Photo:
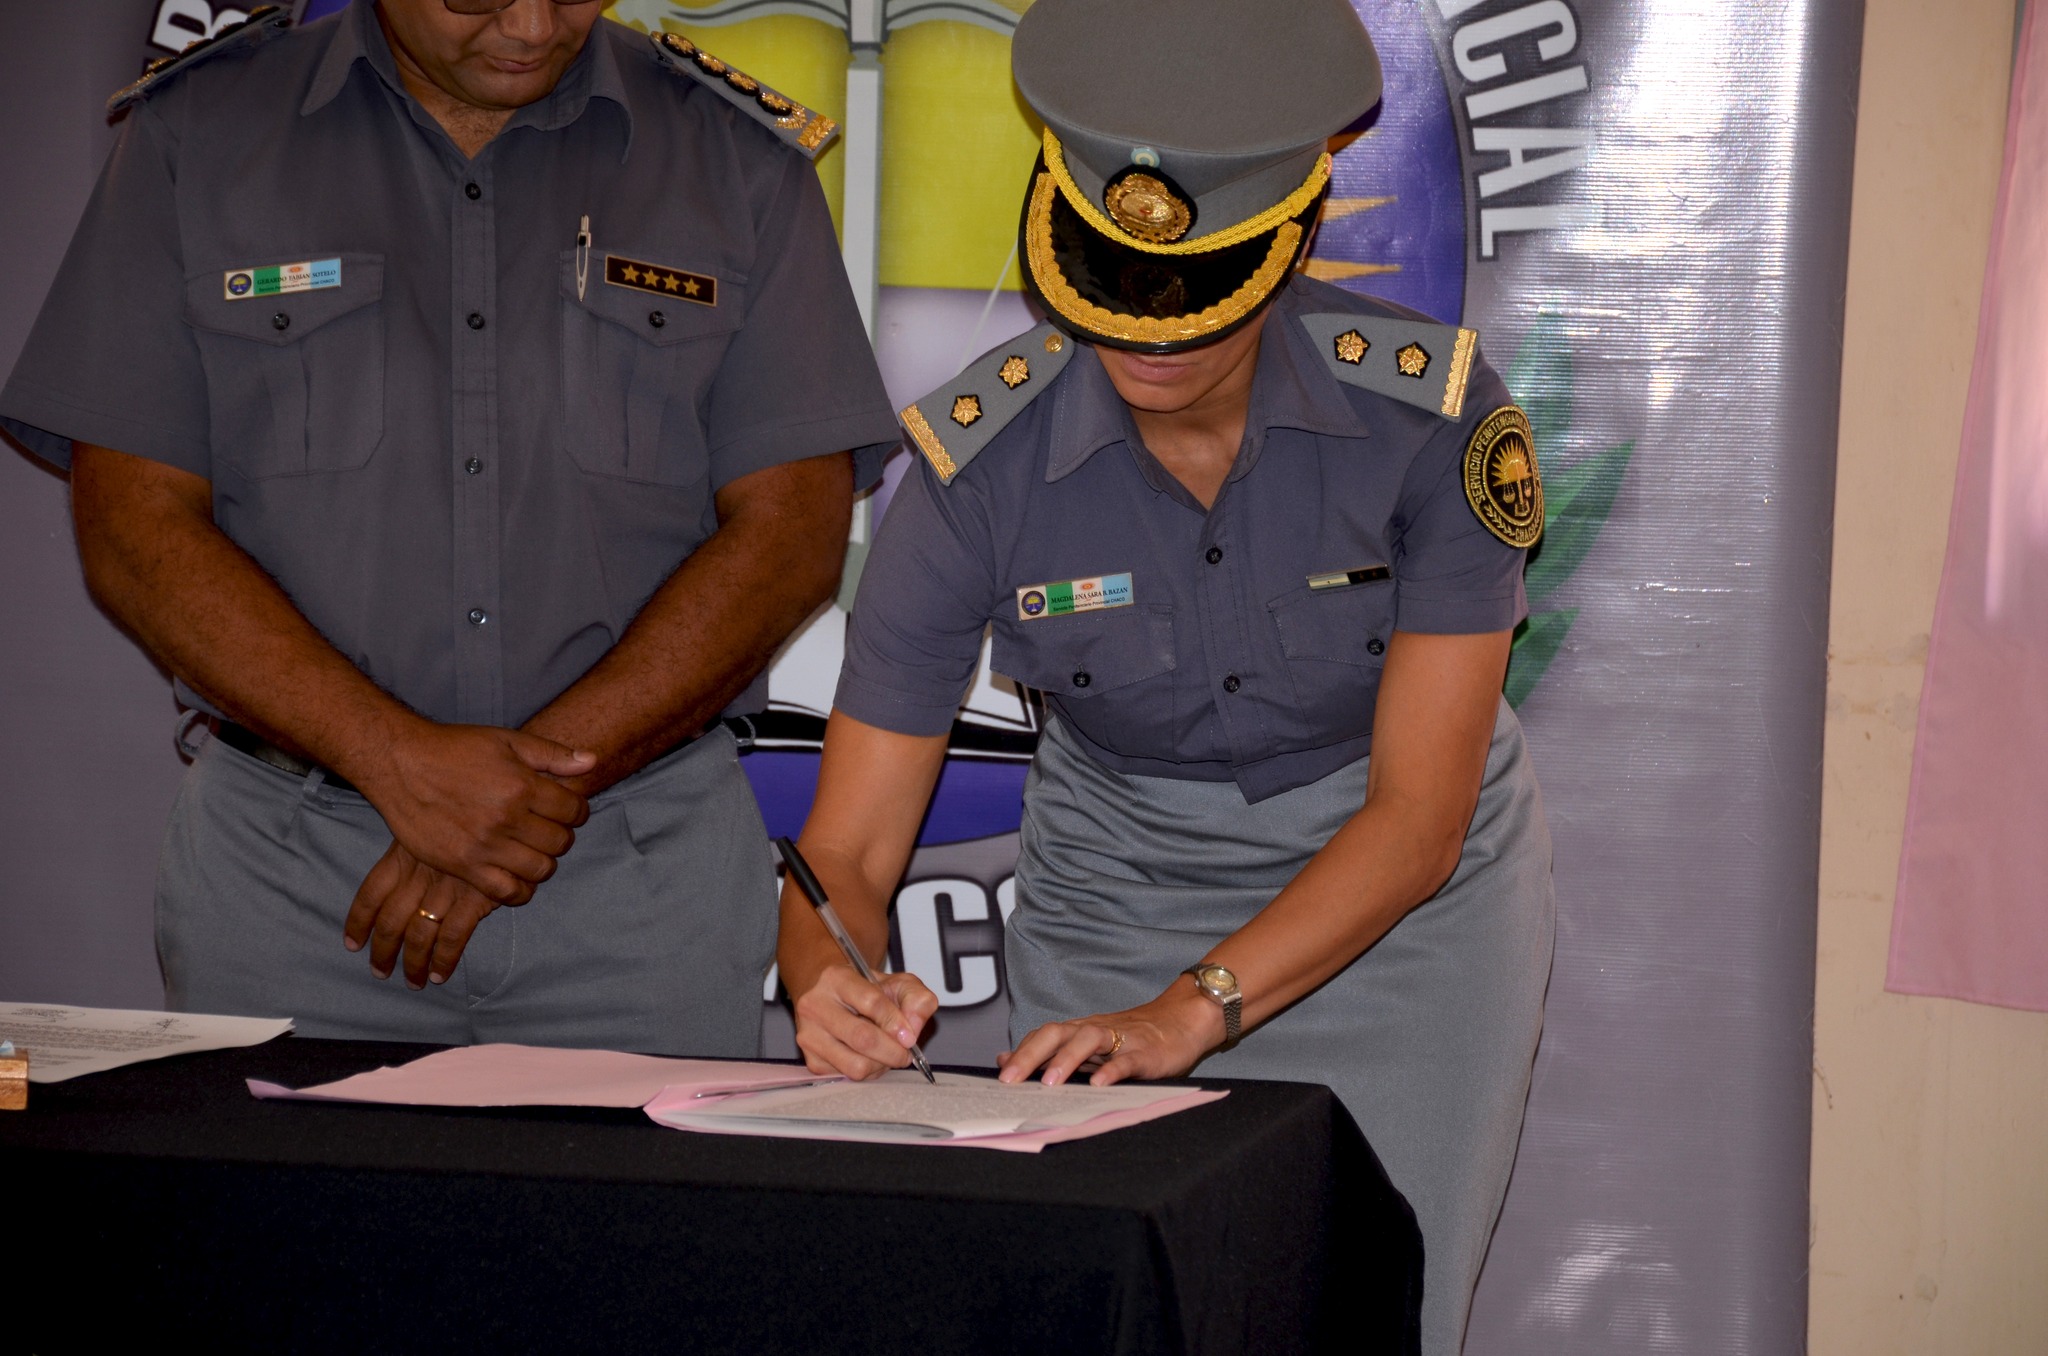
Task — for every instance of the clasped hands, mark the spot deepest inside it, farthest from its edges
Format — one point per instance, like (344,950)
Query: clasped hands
(479,816)
(846,1025)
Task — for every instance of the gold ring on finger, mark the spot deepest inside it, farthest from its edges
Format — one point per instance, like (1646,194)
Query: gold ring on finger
(430,917)
(1116,1043)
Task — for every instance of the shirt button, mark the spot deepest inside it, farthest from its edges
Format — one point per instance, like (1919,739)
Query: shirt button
(1230,683)
(1081,678)
(473,465)
(472,192)
(477,616)
(476,320)
(1215,554)
(656,319)
(1375,646)
(280,321)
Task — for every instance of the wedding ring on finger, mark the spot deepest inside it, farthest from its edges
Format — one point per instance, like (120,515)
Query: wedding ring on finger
(1116,1043)
(430,917)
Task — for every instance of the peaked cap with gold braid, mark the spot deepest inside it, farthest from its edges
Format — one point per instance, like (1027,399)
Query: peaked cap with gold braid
(1185,156)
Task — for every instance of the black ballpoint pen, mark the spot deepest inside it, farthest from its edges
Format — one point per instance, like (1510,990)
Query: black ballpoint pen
(815,892)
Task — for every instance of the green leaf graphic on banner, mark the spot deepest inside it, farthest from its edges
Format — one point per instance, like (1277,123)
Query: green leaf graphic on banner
(1536,642)
(1541,379)
(1577,500)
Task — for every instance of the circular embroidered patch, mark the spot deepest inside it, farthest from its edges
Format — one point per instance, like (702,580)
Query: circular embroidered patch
(1501,479)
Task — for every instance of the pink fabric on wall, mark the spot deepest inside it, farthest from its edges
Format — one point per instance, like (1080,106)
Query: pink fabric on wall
(1971,920)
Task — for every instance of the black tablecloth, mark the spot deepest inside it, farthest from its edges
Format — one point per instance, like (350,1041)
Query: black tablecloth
(169,1202)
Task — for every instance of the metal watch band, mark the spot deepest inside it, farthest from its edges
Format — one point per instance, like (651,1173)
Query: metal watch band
(1232,1003)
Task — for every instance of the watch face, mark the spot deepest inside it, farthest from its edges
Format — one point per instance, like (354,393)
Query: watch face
(1218,980)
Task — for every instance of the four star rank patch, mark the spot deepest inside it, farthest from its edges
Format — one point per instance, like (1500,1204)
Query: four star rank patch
(661,280)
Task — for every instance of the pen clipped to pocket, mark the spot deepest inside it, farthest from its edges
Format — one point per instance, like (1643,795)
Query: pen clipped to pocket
(1344,579)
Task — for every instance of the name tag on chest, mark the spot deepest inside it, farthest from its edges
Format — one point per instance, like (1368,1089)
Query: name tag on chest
(275,280)
(1073,595)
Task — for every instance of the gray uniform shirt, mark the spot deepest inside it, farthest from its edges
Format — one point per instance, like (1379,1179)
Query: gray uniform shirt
(1225,664)
(467,474)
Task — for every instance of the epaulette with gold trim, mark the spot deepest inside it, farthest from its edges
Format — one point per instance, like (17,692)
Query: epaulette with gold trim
(265,21)
(802,128)
(952,424)
(1418,362)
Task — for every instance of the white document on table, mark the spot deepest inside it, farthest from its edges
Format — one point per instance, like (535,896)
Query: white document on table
(901,1108)
(64,1042)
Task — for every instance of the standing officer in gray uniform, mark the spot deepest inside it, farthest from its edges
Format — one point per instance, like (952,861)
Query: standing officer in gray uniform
(458,397)
(1243,529)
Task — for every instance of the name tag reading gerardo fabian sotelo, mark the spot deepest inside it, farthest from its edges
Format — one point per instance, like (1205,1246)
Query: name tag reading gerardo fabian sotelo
(275,280)
(1074,595)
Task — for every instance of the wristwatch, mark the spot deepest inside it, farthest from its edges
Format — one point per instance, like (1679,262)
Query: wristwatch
(1218,983)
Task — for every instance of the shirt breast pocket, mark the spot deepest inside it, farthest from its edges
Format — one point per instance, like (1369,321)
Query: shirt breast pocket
(637,369)
(1109,670)
(1335,642)
(294,380)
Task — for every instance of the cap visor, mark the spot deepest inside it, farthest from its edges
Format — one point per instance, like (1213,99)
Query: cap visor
(1104,291)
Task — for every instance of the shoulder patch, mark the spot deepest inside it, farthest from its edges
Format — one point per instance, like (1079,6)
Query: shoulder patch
(952,424)
(1501,480)
(1418,362)
(264,22)
(809,132)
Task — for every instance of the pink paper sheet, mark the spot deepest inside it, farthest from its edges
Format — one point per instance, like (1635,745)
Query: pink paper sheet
(1021,1142)
(531,1075)
(1971,917)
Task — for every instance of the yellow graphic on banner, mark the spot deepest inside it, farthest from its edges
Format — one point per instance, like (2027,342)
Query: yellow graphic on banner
(957,151)
(957,143)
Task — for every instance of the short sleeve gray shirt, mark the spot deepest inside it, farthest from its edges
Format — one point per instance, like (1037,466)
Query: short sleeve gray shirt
(472,455)
(1227,663)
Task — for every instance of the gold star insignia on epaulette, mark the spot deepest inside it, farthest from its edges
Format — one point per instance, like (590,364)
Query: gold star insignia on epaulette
(709,64)
(1412,361)
(744,83)
(632,274)
(966,410)
(1015,372)
(1351,347)
(775,103)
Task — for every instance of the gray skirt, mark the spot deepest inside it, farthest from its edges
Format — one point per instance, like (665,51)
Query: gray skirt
(1428,1038)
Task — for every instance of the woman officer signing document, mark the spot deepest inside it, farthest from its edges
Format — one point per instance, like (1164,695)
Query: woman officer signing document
(1242,529)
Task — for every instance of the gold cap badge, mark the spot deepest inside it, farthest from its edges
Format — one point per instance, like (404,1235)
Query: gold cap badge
(1148,207)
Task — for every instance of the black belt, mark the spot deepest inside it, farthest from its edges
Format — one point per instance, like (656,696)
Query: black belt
(242,739)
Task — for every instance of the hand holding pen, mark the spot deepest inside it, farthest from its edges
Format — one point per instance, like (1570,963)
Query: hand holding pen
(800,872)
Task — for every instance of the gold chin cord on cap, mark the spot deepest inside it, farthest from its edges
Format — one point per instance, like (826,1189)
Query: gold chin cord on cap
(1286,209)
(1061,296)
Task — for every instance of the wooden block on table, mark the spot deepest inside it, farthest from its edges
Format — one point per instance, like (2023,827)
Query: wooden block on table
(14,1082)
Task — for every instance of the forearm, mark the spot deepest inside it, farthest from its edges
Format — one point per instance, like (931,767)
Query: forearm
(873,786)
(1438,699)
(712,626)
(1387,860)
(208,612)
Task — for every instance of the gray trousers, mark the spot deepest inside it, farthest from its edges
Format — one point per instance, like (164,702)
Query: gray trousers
(655,934)
(1428,1038)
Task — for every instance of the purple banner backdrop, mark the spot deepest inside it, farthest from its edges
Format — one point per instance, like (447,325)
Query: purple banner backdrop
(1643,209)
